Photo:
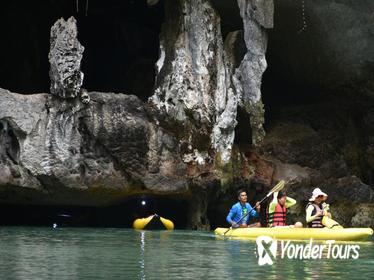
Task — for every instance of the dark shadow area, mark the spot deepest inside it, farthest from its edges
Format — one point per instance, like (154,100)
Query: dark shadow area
(291,75)
(120,39)
(278,95)
(120,215)
(9,145)
(230,16)
(300,89)
(243,130)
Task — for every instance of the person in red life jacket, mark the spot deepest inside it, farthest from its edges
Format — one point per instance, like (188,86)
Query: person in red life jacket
(277,211)
(241,212)
(316,209)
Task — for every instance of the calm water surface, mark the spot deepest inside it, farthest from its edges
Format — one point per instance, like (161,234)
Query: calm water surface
(89,253)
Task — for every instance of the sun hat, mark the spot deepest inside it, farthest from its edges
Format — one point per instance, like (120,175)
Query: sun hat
(316,192)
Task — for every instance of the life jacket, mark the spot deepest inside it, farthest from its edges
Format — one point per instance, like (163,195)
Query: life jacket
(317,222)
(278,217)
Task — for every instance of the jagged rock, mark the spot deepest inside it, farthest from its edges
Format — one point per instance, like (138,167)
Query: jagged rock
(298,143)
(235,49)
(9,146)
(194,81)
(60,146)
(257,17)
(363,216)
(55,151)
(85,97)
(193,86)
(348,189)
(65,57)
(197,211)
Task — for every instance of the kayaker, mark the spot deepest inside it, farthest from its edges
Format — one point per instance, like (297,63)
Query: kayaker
(316,209)
(277,210)
(243,209)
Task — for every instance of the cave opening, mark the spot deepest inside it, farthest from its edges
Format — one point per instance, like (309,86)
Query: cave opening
(121,40)
(120,215)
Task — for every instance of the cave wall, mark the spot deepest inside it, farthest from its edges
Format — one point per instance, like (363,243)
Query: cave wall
(318,94)
(319,79)
(214,122)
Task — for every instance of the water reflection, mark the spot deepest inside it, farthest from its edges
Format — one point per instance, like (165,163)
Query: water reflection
(41,253)
(142,260)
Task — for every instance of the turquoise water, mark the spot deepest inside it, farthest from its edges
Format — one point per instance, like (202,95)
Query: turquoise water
(89,253)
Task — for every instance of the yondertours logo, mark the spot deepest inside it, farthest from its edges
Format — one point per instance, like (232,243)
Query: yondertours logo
(267,250)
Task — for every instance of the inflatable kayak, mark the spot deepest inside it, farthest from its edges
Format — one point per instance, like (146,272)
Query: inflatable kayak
(153,222)
(341,234)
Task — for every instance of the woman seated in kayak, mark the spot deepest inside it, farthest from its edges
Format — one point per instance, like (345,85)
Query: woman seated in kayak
(277,211)
(241,212)
(316,209)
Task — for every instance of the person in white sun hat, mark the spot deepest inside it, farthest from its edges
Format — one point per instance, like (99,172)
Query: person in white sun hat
(316,209)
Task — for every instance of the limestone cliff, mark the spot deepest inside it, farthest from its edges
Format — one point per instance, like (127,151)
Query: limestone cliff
(201,133)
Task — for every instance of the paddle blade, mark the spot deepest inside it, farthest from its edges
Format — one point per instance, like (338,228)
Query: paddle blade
(277,187)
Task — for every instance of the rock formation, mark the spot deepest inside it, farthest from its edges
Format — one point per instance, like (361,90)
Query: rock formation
(193,86)
(257,17)
(65,57)
(56,149)
(197,84)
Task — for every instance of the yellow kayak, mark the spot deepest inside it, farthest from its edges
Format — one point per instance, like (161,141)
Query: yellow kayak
(153,222)
(341,234)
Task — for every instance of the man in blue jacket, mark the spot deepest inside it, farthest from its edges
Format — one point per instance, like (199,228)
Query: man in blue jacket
(240,209)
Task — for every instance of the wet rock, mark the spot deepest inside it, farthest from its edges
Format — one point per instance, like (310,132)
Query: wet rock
(363,216)
(349,189)
(299,143)
(66,146)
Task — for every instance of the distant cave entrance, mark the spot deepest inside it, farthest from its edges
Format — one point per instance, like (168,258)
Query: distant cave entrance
(121,215)
(121,40)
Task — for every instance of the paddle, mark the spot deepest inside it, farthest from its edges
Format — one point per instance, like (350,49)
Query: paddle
(276,188)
